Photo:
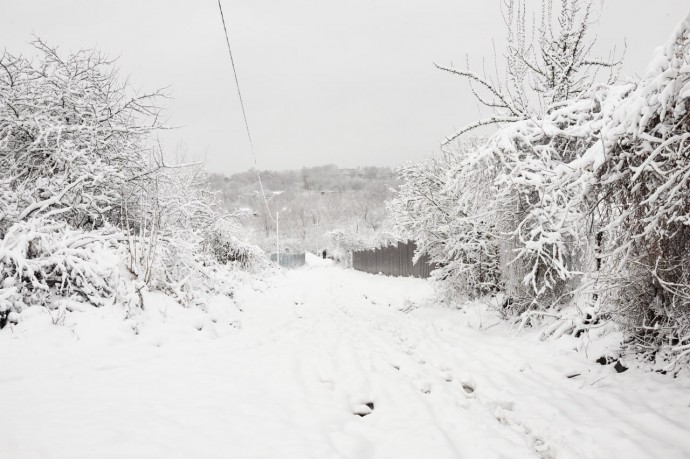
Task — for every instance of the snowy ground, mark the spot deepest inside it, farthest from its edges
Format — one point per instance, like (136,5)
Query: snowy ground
(285,377)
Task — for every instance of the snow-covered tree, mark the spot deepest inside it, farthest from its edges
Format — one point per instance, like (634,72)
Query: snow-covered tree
(586,205)
(641,177)
(442,209)
(546,64)
(84,184)
(71,137)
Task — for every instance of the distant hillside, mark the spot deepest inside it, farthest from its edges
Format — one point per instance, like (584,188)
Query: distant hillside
(321,178)
(311,202)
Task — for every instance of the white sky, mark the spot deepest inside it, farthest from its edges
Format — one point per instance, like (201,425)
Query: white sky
(349,82)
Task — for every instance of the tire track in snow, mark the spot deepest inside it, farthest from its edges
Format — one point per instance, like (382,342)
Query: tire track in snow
(372,362)
(430,375)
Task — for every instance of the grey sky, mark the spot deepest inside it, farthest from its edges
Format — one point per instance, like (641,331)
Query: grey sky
(349,82)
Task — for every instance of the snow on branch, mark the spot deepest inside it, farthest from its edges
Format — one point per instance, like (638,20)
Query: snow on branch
(584,203)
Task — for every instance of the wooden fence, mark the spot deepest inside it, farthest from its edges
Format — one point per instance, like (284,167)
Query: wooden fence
(290,260)
(395,260)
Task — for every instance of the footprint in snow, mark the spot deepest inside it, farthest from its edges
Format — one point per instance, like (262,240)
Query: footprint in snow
(468,387)
(363,409)
(536,442)
(423,386)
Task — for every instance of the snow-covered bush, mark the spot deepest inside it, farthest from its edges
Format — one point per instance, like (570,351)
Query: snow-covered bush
(508,213)
(343,242)
(164,219)
(387,235)
(226,248)
(641,171)
(585,205)
(77,163)
(537,206)
(494,215)
(43,260)
(438,208)
(73,137)
(180,239)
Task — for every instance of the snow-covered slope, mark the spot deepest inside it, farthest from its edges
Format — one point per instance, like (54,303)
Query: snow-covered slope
(320,362)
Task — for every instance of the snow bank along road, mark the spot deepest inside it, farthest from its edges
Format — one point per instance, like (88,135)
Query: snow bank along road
(320,363)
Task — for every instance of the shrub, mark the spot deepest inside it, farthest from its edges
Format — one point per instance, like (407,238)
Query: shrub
(42,260)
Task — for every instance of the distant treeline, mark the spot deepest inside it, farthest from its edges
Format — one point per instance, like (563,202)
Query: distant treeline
(312,202)
(320,178)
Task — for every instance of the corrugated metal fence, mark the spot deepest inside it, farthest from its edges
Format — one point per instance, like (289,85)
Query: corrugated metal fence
(290,260)
(392,261)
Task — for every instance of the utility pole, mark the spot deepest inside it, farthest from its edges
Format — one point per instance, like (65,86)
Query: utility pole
(277,243)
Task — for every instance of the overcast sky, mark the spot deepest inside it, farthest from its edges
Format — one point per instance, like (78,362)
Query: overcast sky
(349,82)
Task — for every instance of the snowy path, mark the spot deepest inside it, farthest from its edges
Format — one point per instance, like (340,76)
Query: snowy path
(307,353)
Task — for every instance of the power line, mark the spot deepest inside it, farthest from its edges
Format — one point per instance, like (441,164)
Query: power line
(244,113)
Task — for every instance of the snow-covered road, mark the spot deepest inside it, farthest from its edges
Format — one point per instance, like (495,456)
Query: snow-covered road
(290,375)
